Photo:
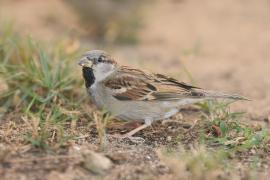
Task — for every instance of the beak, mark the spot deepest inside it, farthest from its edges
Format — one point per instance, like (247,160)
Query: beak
(84,62)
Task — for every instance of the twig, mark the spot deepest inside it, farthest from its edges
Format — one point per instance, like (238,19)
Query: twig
(192,127)
(82,137)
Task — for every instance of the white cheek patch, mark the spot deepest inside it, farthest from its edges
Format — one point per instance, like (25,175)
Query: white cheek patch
(102,70)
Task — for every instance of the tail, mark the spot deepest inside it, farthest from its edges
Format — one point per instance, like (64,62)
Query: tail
(213,95)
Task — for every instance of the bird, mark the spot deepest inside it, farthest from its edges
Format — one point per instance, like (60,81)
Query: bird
(132,94)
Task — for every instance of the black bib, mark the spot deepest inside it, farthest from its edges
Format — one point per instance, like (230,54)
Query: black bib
(88,76)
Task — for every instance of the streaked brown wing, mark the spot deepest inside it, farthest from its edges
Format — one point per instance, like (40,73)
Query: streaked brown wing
(171,81)
(130,88)
(133,84)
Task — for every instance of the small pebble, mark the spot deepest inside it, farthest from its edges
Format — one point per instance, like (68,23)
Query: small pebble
(148,157)
(96,162)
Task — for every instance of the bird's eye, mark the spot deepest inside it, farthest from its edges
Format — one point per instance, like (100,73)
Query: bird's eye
(88,58)
(100,59)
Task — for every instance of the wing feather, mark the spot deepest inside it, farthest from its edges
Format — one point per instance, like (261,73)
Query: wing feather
(133,84)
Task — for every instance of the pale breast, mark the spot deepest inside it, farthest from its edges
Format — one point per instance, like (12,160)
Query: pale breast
(96,94)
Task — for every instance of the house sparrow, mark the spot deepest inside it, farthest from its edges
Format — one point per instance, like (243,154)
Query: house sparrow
(134,95)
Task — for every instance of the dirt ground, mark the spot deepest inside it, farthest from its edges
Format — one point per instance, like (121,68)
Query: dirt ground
(224,45)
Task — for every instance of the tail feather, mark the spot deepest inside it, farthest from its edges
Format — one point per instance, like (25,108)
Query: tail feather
(214,94)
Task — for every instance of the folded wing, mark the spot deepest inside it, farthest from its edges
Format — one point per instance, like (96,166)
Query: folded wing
(133,84)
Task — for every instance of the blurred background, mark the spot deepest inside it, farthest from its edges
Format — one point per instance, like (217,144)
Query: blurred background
(220,45)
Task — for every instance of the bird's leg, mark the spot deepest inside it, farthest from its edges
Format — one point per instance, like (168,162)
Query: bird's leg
(147,122)
(130,134)
(134,131)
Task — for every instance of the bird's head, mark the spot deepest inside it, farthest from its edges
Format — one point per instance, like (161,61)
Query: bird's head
(99,63)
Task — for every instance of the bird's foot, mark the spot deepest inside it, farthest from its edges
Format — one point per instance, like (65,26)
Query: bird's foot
(130,134)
